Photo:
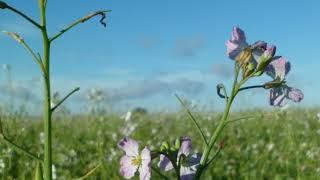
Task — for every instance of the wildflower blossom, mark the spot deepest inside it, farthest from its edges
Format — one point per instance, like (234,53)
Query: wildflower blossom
(133,161)
(189,164)
(278,69)
(238,44)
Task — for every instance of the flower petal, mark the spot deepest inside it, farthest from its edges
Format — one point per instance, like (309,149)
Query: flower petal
(277,96)
(130,146)
(127,168)
(188,172)
(145,168)
(165,163)
(237,43)
(296,95)
(185,147)
(279,67)
(259,45)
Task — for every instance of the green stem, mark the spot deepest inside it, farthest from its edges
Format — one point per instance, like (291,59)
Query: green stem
(203,137)
(89,173)
(20,149)
(65,98)
(47,113)
(221,125)
(24,16)
(159,173)
(82,20)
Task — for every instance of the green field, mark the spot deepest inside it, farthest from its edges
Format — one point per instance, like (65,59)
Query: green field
(272,145)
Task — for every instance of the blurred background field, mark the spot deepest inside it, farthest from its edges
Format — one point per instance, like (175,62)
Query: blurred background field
(278,144)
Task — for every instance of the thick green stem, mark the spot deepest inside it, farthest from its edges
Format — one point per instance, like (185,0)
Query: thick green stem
(221,125)
(47,113)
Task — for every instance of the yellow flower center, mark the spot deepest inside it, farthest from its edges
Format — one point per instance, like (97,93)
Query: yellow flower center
(137,161)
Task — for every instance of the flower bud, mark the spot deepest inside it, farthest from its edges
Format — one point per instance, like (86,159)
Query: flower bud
(249,69)
(15,36)
(177,143)
(164,146)
(3,5)
(259,45)
(266,58)
(244,57)
(270,52)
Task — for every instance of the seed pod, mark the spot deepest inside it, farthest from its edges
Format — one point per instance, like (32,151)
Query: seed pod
(249,69)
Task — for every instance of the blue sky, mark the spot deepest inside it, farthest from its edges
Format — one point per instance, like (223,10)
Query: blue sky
(151,49)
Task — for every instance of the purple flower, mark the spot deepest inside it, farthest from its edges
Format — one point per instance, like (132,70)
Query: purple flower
(238,43)
(278,69)
(132,161)
(190,163)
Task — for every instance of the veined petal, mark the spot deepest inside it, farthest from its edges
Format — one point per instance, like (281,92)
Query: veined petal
(145,168)
(237,43)
(188,172)
(238,35)
(185,147)
(259,45)
(127,168)
(165,163)
(296,95)
(279,67)
(130,146)
(277,96)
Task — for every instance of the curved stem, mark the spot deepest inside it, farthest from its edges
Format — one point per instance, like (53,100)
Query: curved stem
(224,95)
(24,16)
(82,20)
(203,137)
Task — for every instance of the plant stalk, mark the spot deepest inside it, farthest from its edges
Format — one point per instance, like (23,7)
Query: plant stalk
(221,125)
(47,113)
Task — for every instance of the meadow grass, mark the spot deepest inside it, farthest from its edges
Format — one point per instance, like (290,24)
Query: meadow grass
(272,145)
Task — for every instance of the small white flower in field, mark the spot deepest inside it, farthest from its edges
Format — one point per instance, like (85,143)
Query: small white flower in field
(254,146)
(2,164)
(114,136)
(111,155)
(54,172)
(303,145)
(310,154)
(73,153)
(23,129)
(41,135)
(318,170)
(318,131)
(127,116)
(270,146)
(153,131)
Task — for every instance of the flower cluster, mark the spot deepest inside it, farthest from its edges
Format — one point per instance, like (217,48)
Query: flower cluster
(251,60)
(177,157)
(258,58)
